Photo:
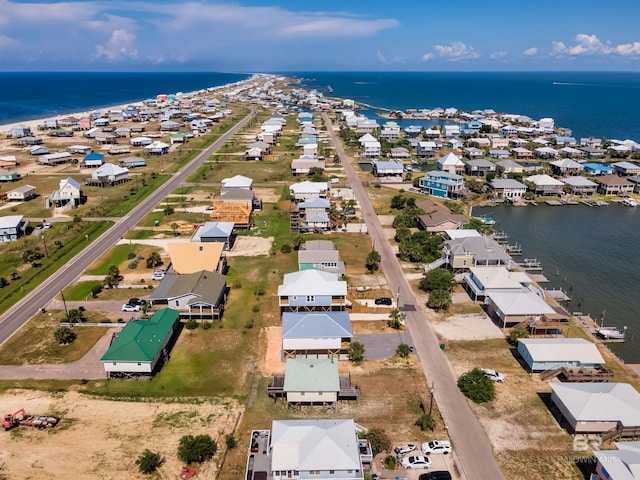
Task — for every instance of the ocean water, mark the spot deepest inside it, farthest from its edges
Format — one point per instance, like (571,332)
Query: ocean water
(589,252)
(26,96)
(589,103)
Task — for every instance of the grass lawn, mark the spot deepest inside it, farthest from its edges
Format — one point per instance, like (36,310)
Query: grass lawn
(35,343)
(73,240)
(116,256)
(79,292)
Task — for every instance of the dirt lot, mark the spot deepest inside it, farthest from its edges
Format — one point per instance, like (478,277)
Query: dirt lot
(251,247)
(102,439)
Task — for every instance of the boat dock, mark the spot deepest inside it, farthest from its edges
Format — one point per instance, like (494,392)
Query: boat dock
(592,327)
(558,295)
(530,264)
(553,203)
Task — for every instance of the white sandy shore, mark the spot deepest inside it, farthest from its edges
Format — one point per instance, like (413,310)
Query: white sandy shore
(33,124)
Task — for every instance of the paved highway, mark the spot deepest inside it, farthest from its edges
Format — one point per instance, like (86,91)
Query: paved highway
(470,441)
(23,310)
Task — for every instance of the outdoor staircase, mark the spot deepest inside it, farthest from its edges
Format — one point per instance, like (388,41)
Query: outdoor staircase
(549,374)
(433,265)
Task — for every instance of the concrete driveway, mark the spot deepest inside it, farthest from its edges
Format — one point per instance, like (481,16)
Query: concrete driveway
(378,346)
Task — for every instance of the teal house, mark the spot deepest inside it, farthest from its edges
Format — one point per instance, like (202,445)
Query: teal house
(443,185)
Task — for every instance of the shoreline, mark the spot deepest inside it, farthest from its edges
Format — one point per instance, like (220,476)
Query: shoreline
(34,122)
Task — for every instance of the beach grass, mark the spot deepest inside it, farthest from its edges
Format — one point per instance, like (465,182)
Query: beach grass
(72,237)
(35,342)
(80,291)
(115,256)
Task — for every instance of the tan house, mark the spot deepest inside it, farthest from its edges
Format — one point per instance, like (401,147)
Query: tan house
(192,257)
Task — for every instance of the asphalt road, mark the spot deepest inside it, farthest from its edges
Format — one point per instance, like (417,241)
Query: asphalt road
(23,310)
(470,441)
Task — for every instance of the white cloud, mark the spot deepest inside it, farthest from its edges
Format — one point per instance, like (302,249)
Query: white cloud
(498,55)
(342,27)
(6,41)
(591,45)
(454,52)
(530,51)
(380,56)
(121,45)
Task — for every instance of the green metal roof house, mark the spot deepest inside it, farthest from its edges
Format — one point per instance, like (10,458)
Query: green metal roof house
(138,348)
(311,380)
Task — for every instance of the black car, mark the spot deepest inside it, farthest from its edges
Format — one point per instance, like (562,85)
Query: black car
(137,301)
(437,475)
(383,301)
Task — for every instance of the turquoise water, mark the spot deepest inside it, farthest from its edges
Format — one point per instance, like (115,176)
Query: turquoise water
(589,103)
(590,252)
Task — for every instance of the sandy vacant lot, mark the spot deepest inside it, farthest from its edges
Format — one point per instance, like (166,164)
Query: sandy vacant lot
(467,327)
(102,439)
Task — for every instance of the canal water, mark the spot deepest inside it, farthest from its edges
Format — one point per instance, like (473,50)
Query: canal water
(592,253)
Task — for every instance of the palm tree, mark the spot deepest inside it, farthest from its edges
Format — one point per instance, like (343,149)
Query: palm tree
(174,227)
(395,319)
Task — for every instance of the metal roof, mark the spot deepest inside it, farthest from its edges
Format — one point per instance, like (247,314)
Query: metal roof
(311,375)
(140,340)
(312,282)
(316,325)
(562,350)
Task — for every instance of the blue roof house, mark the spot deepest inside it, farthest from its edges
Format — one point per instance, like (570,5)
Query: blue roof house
(443,185)
(93,159)
(597,169)
(321,334)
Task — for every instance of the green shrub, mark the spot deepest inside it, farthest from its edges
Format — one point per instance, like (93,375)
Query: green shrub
(149,461)
(131,256)
(206,325)
(403,350)
(230,441)
(196,449)
(191,324)
(390,462)
(426,422)
(64,335)
(286,248)
(476,386)
(379,441)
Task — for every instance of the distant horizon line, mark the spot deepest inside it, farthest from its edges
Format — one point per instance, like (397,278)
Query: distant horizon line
(283,72)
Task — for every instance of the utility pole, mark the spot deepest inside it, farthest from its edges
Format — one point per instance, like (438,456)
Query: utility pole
(64,301)
(45,245)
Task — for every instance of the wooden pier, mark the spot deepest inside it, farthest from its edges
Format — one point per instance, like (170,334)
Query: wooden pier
(558,295)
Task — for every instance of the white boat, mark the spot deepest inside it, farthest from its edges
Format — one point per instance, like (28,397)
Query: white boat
(486,220)
(630,202)
(611,333)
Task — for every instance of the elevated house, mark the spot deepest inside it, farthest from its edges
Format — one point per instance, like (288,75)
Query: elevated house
(316,334)
(307,190)
(522,153)
(132,162)
(303,449)
(12,227)
(141,141)
(119,149)
(507,188)
(509,166)
(400,153)
(464,253)
(542,354)
(8,161)
(93,160)
(108,175)
(580,185)
(593,152)
(597,169)
(441,220)
(320,255)
(451,163)
(473,153)
(479,167)
(142,347)
(620,464)
(55,158)
(68,194)
(614,185)
(8,176)
(200,295)
(22,193)
(544,185)
(426,149)
(310,381)
(480,282)
(625,169)
(499,153)
(388,169)
(566,166)
(191,257)
(443,185)
(312,290)
(237,181)
(510,308)
(156,148)
(303,166)
(20,131)
(598,407)
(314,213)
(215,232)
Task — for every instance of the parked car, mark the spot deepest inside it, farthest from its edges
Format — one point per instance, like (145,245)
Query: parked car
(493,375)
(157,274)
(137,301)
(436,446)
(416,461)
(46,226)
(437,475)
(383,301)
(402,449)
(130,308)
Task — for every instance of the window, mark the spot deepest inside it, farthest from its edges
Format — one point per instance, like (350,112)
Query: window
(201,248)
(311,298)
(139,363)
(331,472)
(314,472)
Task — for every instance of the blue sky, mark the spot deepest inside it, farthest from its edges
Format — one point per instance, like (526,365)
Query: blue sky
(331,35)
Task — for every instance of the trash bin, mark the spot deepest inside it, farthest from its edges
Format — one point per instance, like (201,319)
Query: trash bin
(156,223)
(42,310)
(442,346)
